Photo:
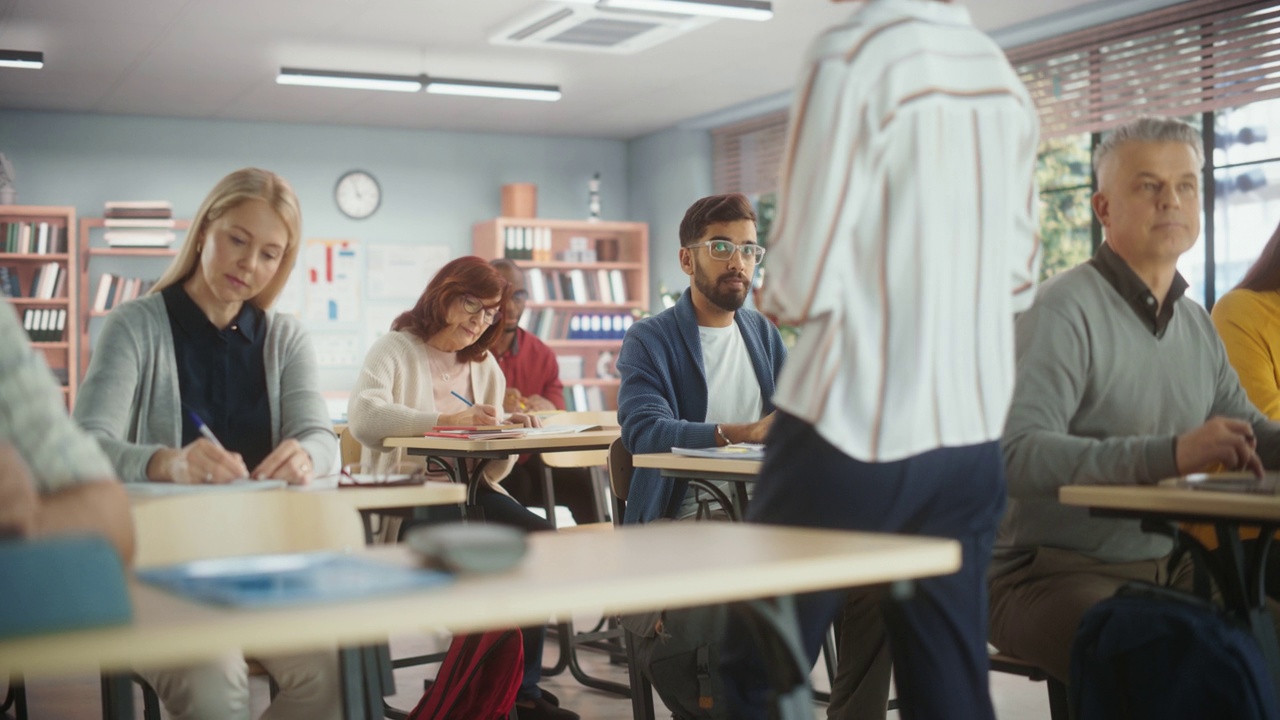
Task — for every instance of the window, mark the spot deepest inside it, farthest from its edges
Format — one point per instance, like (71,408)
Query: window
(1211,62)
(1065,181)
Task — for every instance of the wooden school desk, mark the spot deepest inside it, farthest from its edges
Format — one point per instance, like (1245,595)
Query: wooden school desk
(455,452)
(1241,576)
(701,471)
(629,570)
(357,498)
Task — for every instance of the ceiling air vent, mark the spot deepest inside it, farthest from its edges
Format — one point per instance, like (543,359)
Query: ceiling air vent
(588,28)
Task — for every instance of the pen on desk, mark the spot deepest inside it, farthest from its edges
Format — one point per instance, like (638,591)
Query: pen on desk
(468,402)
(204,430)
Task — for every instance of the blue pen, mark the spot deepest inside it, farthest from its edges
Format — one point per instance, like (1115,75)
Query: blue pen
(204,430)
(468,402)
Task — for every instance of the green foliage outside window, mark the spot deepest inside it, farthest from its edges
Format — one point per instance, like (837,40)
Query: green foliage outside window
(1063,175)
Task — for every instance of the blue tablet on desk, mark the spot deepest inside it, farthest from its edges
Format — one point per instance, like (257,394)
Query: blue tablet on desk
(284,580)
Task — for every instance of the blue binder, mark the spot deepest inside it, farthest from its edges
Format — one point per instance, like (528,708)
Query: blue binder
(284,580)
(61,583)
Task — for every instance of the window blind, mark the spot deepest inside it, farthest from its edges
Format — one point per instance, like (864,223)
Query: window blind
(747,156)
(1185,59)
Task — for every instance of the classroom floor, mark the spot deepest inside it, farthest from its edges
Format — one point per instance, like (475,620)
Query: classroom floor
(1015,698)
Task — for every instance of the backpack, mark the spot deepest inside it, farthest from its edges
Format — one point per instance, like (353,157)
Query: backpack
(1153,652)
(478,679)
(678,651)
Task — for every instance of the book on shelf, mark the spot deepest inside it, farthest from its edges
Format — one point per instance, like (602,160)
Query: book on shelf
(10,283)
(139,222)
(44,324)
(138,209)
(553,324)
(114,289)
(33,238)
(141,237)
(576,285)
(526,243)
(47,281)
(578,398)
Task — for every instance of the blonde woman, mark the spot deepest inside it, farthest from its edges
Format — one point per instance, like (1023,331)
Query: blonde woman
(204,349)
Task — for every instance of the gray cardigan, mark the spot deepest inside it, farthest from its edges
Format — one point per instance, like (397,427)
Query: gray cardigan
(130,400)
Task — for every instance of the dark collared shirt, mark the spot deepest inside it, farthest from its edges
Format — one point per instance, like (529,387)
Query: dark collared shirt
(222,376)
(1131,287)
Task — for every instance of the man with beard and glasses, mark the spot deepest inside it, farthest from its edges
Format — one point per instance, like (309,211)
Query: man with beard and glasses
(699,374)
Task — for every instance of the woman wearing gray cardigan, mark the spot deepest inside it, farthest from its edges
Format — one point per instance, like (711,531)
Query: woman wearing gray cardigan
(198,382)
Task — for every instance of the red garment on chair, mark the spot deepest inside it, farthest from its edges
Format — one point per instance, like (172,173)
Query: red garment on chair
(478,679)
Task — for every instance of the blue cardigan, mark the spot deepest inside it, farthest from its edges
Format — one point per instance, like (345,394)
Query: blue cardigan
(662,402)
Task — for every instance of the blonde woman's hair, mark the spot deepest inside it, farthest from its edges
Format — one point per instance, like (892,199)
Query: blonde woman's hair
(239,187)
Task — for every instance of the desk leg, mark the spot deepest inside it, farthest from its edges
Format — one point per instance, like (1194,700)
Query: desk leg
(351,668)
(776,628)
(641,691)
(1246,591)
(117,696)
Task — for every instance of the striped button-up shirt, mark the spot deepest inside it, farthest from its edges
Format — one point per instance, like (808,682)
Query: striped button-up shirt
(907,232)
(34,419)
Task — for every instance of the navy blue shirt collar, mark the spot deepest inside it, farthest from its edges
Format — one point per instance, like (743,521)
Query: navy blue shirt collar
(248,322)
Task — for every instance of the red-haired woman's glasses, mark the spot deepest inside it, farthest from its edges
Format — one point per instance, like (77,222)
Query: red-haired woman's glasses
(474,307)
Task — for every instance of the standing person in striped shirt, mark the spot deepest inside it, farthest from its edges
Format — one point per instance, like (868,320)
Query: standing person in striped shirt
(907,242)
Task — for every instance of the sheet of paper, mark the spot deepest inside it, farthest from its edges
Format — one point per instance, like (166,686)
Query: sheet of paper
(402,271)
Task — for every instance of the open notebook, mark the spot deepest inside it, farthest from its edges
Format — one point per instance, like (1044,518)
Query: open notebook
(1237,482)
(737,451)
(279,580)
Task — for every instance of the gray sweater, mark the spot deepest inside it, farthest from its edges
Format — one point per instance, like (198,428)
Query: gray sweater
(1099,400)
(131,403)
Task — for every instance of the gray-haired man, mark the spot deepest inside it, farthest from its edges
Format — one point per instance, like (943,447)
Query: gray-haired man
(1121,379)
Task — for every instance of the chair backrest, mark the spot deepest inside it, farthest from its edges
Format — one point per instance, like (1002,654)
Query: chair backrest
(579,458)
(619,469)
(183,528)
(349,446)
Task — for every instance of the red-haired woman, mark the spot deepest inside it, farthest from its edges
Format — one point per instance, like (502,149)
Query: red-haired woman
(415,377)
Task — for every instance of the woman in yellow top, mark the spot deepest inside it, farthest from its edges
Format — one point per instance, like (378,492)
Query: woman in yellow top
(1248,319)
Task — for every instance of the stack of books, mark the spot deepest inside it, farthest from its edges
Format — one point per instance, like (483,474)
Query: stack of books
(139,223)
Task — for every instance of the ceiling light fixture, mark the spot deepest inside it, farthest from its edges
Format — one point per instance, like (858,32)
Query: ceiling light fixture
(21,59)
(352,80)
(415,83)
(481,88)
(735,9)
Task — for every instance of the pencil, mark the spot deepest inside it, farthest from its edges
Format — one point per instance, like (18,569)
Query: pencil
(468,402)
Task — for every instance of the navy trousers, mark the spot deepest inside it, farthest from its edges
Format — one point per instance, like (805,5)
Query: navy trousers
(938,637)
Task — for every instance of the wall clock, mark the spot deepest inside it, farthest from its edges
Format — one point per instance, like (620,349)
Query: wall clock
(357,194)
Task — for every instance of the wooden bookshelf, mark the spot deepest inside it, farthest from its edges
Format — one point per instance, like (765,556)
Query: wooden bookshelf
(59,354)
(627,240)
(150,261)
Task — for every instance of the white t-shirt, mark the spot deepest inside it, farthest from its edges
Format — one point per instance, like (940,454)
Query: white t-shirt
(733,393)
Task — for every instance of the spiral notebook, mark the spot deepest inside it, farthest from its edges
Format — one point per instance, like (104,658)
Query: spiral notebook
(283,580)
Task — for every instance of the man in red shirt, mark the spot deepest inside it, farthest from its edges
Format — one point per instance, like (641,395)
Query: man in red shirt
(533,385)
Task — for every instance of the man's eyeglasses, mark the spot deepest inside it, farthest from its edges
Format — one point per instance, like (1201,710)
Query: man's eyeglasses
(723,250)
(475,307)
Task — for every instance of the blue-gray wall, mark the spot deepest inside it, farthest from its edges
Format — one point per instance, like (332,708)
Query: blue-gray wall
(668,170)
(435,185)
